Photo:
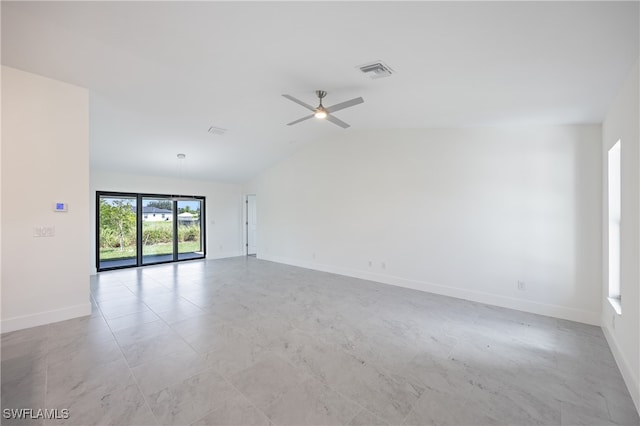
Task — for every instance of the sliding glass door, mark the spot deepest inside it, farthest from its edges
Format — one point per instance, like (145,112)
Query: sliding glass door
(145,229)
(190,241)
(157,230)
(117,231)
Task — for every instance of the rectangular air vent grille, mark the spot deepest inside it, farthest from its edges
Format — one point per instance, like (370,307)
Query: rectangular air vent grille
(217,130)
(376,69)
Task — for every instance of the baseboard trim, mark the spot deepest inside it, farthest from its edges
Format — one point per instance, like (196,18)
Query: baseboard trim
(47,317)
(556,311)
(633,384)
(224,255)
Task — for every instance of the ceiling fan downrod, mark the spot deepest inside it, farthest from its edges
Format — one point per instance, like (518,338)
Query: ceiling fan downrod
(320,111)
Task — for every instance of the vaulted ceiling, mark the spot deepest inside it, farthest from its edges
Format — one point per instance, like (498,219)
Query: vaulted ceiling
(160,74)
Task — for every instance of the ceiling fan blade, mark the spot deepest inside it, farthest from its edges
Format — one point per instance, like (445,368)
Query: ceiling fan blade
(337,121)
(346,104)
(300,119)
(299,102)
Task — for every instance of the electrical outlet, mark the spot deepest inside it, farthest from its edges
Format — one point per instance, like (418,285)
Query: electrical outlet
(383,265)
(521,286)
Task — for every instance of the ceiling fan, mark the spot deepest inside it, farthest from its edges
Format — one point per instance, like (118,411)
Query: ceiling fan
(324,113)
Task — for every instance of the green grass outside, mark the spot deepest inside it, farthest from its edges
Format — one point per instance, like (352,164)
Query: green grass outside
(164,227)
(129,252)
(115,253)
(186,247)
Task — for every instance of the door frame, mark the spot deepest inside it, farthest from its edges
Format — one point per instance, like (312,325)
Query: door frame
(245,221)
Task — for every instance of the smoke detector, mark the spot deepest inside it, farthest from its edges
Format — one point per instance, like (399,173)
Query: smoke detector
(377,69)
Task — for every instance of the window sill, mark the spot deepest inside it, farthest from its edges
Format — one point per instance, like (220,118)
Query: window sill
(615,303)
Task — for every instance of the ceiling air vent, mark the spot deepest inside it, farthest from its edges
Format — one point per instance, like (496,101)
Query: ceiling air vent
(376,69)
(217,130)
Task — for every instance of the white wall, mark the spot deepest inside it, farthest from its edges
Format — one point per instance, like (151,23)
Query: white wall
(45,159)
(461,212)
(623,331)
(1,137)
(223,207)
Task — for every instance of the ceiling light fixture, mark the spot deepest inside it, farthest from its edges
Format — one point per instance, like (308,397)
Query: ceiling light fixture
(324,113)
(321,112)
(180,165)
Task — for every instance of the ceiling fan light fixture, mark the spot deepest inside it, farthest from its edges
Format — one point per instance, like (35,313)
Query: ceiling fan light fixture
(320,113)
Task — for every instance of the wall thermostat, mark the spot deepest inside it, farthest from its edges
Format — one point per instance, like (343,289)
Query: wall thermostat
(60,207)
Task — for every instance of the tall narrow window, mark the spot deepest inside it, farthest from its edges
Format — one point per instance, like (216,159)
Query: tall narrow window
(614,224)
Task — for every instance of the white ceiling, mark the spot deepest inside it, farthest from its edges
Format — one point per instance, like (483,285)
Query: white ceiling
(161,73)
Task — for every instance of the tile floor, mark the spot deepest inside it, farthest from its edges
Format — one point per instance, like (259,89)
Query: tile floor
(243,341)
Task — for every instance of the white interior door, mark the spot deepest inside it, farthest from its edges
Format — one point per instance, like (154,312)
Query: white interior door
(251,225)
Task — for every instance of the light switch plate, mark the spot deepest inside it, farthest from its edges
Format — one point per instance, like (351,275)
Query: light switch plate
(44,231)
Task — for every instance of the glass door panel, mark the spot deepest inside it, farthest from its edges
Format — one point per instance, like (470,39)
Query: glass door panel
(117,232)
(142,229)
(157,230)
(190,229)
